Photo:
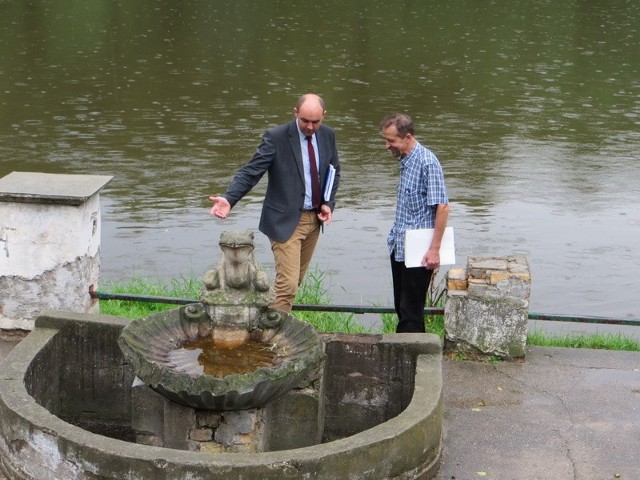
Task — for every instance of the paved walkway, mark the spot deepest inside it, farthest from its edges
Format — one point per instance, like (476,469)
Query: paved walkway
(562,414)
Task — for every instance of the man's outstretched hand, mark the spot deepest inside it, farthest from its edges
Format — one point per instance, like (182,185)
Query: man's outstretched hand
(221,207)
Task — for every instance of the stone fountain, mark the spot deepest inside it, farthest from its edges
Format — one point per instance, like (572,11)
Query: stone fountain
(166,397)
(230,352)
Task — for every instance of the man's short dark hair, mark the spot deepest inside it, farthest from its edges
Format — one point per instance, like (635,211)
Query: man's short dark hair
(402,122)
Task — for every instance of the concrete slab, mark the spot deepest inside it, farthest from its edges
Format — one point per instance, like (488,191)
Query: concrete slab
(50,187)
(561,414)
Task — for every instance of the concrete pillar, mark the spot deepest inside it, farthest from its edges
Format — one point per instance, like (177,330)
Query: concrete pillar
(487,306)
(49,244)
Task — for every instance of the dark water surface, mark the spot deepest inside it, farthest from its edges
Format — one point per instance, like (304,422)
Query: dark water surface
(532,107)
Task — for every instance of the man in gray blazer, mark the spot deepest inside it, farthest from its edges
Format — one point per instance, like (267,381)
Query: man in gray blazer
(292,214)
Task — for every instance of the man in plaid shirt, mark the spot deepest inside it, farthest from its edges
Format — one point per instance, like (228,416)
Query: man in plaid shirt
(422,202)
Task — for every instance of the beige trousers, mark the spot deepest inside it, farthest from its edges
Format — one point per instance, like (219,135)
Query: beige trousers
(292,258)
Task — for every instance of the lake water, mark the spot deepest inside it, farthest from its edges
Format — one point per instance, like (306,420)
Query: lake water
(533,109)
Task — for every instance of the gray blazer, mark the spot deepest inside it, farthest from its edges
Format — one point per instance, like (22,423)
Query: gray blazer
(280,155)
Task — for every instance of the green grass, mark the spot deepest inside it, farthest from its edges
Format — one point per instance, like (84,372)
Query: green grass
(598,341)
(178,288)
(313,292)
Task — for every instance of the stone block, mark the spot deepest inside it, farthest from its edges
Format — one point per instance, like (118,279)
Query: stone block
(201,434)
(495,276)
(155,415)
(208,418)
(487,263)
(295,420)
(242,431)
(147,412)
(457,293)
(457,273)
(492,317)
(211,447)
(490,328)
(178,422)
(457,279)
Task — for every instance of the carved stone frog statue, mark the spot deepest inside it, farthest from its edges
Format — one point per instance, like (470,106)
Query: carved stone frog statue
(237,279)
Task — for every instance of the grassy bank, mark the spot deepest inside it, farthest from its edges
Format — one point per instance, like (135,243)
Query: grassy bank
(313,291)
(597,341)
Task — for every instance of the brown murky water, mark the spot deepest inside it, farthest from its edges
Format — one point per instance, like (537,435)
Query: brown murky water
(204,356)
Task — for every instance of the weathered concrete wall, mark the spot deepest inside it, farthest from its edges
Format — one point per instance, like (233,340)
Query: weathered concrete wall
(49,244)
(295,420)
(487,305)
(371,378)
(36,444)
(80,373)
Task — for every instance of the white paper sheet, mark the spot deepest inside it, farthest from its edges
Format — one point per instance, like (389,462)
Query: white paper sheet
(417,243)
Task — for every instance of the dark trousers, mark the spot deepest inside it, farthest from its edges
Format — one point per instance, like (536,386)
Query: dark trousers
(410,287)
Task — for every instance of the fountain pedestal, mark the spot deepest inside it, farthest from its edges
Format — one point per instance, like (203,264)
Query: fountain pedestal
(294,420)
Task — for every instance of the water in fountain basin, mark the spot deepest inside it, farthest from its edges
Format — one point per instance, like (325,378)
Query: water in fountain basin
(205,356)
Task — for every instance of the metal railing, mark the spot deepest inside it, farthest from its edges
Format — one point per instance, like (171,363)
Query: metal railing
(360,309)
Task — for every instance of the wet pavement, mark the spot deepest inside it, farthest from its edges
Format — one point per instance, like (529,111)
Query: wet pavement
(560,414)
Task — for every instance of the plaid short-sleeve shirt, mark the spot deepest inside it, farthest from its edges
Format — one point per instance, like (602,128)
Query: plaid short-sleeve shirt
(421,189)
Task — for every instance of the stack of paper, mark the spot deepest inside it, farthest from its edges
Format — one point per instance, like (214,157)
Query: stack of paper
(416,244)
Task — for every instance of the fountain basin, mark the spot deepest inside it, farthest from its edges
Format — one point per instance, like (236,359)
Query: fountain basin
(383,412)
(153,346)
